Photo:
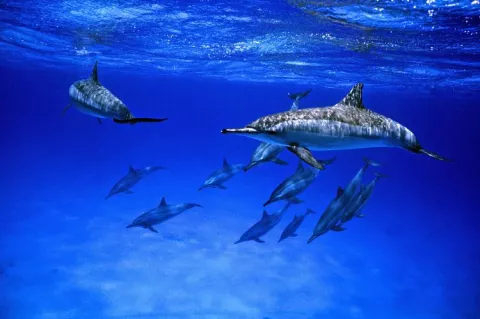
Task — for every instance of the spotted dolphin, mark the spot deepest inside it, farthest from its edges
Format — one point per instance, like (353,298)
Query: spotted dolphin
(133,176)
(266,152)
(290,230)
(160,214)
(295,184)
(220,176)
(92,98)
(345,125)
(263,226)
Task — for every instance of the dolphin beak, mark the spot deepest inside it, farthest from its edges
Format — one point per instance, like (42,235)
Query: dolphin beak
(249,166)
(238,241)
(108,196)
(130,226)
(311,239)
(202,187)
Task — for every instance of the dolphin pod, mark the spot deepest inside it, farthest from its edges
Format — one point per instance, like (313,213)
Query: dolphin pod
(345,125)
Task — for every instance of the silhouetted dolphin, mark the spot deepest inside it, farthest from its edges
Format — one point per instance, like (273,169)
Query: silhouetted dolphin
(160,214)
(266,152)
(91,98)
(133,176)
(291,228)
(358,202)
(263,226)
(295,184)
(220,176)
(346,125)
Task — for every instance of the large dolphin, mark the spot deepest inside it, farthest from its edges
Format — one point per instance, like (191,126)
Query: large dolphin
(92,98)
(292,227)
(133,176)
(295,184)
(346,125)
(359,201)
(220,176)
(160,214)
(266,152)
(263,226)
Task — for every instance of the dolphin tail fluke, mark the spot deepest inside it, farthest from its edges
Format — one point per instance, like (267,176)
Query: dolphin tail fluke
(136,120)
(433,155)
(279,161)
(305,155)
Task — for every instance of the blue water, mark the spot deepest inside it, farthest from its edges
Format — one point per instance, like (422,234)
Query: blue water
(208,65)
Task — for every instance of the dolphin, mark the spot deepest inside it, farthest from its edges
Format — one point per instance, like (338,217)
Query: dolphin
(327,220)
(358,202)
(263,226)
(291,228)
(266,152)
(133,176)
(220,176)
(160,214)
(345,125)
(92,98)
(295,184)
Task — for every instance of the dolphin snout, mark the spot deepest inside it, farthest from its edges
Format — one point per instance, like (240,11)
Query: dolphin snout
(311,239)
(130,226)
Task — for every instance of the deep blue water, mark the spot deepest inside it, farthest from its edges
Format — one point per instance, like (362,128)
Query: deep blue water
(208,65)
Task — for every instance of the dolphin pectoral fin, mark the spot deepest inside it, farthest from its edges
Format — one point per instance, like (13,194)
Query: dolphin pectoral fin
(338,228)
(305,155)
(221,186)
(294,235)
(246,131)
(99,120)
(136,120)
(360,215)
(295,200)
(68,106)
(279,161)
(151,229)
(128,192)
(258,240)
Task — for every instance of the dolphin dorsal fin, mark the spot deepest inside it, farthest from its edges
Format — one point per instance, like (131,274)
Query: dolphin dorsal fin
(354,97)
(265,214)
(225,163)
(132,170)
(339,191)
(163,202)
(299,167)
(94,75)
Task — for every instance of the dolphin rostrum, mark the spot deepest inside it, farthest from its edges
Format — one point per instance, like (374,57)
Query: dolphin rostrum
(133,176)
(220,176)
(266,152)
(263,226)
(92,98)
(291,228)
(160,214)
(346,125)
(295,184)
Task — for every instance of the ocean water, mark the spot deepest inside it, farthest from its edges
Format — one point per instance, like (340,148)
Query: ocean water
(65,251)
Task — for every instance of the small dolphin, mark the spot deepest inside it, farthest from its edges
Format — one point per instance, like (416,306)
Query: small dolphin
(327,220)
(160,214)
(295,184)
(291,228)
(92,98)
(133,176)
(346,125)
(358,202)
(220,176)
(266,152)
(263,226)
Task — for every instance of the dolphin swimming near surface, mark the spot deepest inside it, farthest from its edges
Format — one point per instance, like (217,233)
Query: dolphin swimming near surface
(160,214)
(266,152)
(92,98)
(220,176)
(263,226)
(292,227)
(133,176)
(295,184)
(346,125)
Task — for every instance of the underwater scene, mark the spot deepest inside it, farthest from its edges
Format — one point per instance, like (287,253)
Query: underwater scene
(261,159)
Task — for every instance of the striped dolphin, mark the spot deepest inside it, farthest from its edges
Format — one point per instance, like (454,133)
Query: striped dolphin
(92,98)
(345,125)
